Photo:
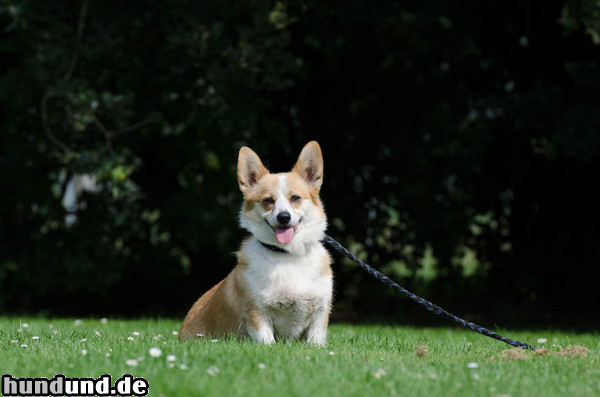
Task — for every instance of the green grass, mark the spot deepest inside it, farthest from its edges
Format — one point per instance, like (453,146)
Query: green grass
(358,360)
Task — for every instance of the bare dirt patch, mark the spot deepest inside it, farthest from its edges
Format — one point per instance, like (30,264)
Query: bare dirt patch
(574,351)
(521,354)
(421,351)
(513,354)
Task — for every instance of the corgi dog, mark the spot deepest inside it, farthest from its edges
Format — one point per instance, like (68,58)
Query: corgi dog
(282,285)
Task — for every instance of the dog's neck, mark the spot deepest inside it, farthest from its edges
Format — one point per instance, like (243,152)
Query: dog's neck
(273,248)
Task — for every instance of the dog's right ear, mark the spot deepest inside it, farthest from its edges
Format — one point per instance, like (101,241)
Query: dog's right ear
(250,169)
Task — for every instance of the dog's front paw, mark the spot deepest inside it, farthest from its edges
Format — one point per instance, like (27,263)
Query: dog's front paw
(318,338)
(266,341)
(263,335)
(318,342)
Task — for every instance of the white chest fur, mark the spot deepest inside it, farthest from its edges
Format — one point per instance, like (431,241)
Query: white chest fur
(291,291)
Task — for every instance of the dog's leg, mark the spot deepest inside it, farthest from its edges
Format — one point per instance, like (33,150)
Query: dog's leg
(260,327)
(317,329)
(262,335)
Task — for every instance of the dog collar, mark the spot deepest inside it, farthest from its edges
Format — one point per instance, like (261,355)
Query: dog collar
(273,247)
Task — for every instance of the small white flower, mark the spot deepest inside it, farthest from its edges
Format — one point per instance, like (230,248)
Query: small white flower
(97,333)
(199,335)
(24,345)
(83,351)
(380,373)
(262,366)
(541,341)
(212,371)
(130,338)
(103,320)
(77,322)
(35,337)
(14,341)
(132,362)
(184,367)
(155,352)
(84,340)
(472,365)
(135,333)
(171,358)
(175,333)
(107,354)
(331,353)
(25,325)
(20,330)
(214,340)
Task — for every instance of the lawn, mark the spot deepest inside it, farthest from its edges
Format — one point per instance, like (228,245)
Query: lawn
(358,360)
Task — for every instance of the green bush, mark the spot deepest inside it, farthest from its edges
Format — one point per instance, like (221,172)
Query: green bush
(460,142)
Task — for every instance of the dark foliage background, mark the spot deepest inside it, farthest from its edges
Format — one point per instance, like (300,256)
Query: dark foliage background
(461,142)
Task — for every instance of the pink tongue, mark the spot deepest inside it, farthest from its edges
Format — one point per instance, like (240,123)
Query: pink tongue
(284,235)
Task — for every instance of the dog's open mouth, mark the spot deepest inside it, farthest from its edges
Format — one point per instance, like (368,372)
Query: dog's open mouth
(284,234)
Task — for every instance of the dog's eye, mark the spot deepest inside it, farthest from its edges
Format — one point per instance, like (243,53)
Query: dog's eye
(295,198)
(268,201)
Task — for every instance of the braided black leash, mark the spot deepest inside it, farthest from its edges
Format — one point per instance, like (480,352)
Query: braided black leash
(425,303)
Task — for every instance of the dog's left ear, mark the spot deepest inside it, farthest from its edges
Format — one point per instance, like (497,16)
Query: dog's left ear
(250,169)
(310,165)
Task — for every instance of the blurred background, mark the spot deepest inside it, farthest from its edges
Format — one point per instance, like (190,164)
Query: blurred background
(461,143)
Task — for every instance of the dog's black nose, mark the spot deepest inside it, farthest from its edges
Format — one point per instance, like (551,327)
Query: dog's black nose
(284,217)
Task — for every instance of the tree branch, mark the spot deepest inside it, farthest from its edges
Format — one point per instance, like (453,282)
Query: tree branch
(80,27)
(109,135)
(46,126)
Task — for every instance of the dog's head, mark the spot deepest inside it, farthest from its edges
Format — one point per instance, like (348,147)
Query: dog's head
(283,209)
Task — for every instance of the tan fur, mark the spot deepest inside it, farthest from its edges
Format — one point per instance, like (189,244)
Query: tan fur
(299,187)
(248,177)
(267,184)
(226,309)
(217,312)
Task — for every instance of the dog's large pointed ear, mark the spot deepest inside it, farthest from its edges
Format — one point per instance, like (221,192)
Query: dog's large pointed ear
(250,169)
(310,165)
